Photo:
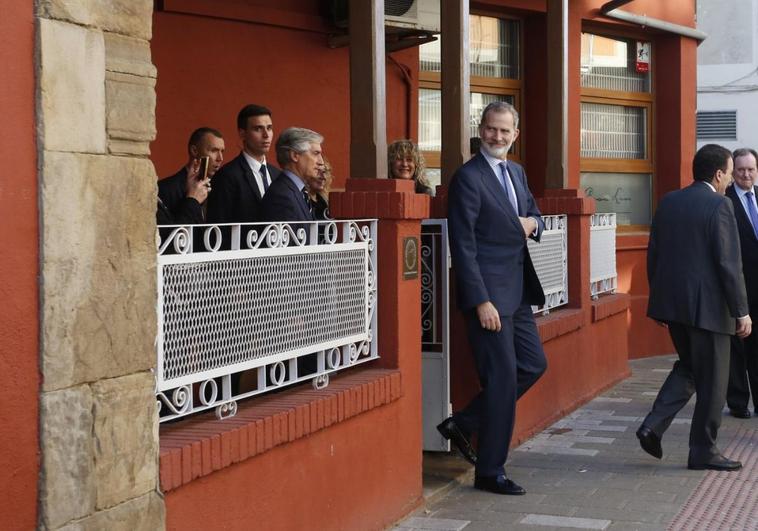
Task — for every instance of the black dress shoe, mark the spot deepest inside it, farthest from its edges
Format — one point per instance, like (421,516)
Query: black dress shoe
(650,442)
(741,413)
(498,485)
(717,462)
(450,430)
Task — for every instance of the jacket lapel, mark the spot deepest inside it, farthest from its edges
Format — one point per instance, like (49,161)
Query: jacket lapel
(520,193)
(493,186)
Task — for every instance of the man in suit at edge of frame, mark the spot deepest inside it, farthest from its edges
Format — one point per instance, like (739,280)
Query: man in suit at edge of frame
(491,214)
(694,268)
(743,362)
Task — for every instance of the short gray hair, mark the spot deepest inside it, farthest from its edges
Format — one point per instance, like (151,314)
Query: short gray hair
(297,139)
(500,106)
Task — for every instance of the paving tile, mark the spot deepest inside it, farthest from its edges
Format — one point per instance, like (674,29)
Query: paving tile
(589,467)
(435,524)
(565,521)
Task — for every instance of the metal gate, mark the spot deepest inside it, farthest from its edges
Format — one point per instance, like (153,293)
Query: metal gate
(435,331)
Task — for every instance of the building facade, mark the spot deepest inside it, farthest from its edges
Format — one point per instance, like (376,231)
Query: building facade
(100,101)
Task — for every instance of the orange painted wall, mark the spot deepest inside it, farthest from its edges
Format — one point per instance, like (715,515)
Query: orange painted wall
(356,475)
(208,68)
(364,473)
(19,323)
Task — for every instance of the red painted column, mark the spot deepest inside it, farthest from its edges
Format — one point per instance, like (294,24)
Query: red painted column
(19,321)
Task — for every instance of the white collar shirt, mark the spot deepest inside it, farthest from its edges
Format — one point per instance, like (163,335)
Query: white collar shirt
(255,165)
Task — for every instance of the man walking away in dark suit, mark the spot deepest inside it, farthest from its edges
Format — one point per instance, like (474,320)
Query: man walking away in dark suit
(298,151)
(694,269)
(491,214)
(743,366)
(174,191)
(239,187)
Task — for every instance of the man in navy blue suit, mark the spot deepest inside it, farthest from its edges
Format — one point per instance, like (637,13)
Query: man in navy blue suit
(491,214)
(298,152)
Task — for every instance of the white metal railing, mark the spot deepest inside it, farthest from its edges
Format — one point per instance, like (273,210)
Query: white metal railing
(285,302)
(549,257)
(603,276)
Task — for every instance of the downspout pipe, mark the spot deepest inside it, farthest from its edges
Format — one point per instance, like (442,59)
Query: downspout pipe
(611,10)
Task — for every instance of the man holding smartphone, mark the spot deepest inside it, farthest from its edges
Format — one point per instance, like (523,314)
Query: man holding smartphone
(180,192)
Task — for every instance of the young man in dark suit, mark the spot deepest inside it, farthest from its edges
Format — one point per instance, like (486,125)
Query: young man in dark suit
(298,151)
(694,269)
(743,366)
(239,187)
(173,192)
(491,214)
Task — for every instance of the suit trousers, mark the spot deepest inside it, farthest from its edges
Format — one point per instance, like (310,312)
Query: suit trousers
(743,373)
(508,363)
(702,368)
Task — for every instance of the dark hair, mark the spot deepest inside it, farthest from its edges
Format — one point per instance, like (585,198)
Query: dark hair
(198,134)
(249,111)
(708,160)
(743,152)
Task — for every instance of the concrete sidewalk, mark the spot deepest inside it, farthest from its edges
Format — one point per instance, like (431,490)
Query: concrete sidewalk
(587,471)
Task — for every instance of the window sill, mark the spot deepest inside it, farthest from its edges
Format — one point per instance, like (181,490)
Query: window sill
(201,444)
(608,305)
(559,322)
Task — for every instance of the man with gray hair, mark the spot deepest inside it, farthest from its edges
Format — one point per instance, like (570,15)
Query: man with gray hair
(298,152)
(491,215)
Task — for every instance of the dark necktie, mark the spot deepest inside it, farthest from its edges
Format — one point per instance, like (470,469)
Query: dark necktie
(308,201)
(505,181)
(264,177)
(752,212)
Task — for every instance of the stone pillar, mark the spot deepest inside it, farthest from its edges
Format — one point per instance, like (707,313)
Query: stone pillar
(96,117)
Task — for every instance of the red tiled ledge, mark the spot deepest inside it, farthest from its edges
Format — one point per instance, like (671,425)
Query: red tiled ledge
(201,444)
(611,304)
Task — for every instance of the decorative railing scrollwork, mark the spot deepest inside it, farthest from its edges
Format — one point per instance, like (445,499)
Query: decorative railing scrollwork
(550,259)
(244,309)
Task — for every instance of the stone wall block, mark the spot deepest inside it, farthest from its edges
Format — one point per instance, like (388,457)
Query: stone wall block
(128,17)
(130,107)
(126,438)
(98,267)
(67,479)
(72,87)
(146,513)
(128,56)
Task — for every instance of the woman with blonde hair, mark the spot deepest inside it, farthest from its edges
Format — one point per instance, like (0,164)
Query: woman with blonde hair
(318,191)
(405,161)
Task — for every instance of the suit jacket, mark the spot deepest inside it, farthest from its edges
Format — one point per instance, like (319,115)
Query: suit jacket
(694,263)
(748,247)
(172,192)
(488,247)
(235,197)
(284,202)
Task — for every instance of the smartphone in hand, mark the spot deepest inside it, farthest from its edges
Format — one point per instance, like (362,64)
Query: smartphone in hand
(202,172)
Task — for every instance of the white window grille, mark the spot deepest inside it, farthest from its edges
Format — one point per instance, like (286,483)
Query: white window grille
(289,303)
(610,64)
(549,258)
(603,276)
(613,131)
